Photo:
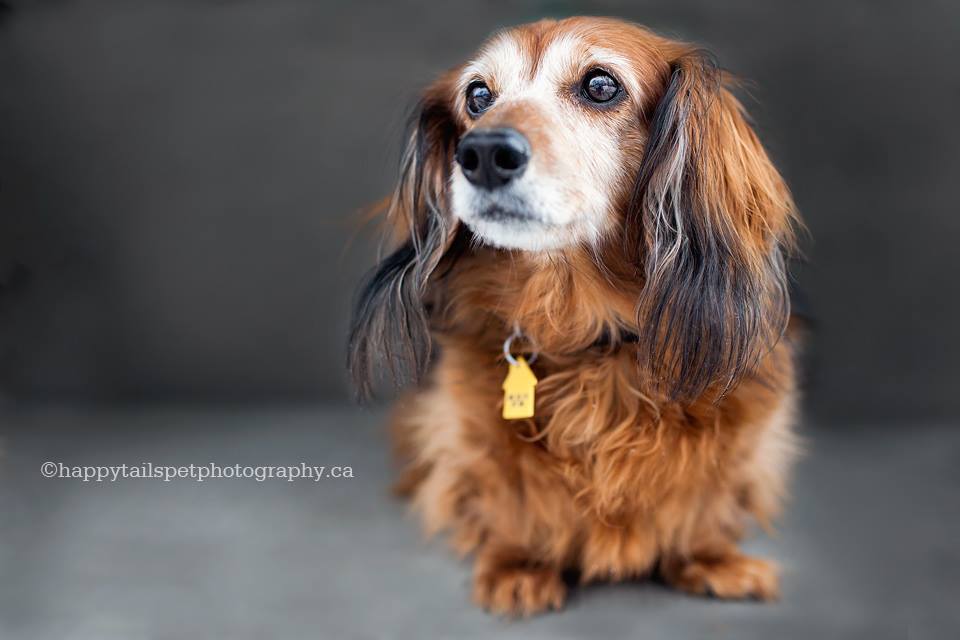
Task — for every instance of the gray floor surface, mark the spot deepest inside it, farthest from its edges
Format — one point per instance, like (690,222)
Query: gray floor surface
(869,544)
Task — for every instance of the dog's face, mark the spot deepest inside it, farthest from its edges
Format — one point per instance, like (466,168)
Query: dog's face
(553,132)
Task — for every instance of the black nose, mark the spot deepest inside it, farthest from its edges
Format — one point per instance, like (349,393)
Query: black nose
(491,158)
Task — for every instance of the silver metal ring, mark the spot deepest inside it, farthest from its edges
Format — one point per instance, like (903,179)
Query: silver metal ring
(509,342)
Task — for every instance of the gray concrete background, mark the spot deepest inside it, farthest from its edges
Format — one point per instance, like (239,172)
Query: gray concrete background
(868,544)
(178,180)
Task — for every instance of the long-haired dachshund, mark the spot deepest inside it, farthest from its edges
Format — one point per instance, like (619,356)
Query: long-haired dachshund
(587,289)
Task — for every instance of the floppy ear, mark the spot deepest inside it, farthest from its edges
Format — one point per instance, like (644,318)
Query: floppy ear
(715,217)
(389,330)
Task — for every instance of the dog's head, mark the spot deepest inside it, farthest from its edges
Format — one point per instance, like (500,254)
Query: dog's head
(595,135)
(553,119)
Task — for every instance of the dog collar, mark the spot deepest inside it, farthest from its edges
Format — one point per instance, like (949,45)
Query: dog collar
(606,341)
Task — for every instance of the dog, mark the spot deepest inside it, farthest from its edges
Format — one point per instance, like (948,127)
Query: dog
(592,194)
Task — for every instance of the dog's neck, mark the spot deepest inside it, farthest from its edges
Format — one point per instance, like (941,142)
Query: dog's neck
(564,303)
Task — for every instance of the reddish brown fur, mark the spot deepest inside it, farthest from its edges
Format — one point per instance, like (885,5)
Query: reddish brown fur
(611,478)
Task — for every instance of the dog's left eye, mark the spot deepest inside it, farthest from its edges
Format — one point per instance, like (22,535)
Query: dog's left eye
(598,86)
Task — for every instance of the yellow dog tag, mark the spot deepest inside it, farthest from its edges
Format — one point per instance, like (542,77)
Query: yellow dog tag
(518,389)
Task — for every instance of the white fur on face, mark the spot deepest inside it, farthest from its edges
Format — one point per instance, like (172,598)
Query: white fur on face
(565,195)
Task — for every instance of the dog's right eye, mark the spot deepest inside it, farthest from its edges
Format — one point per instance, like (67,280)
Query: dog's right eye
(479,98)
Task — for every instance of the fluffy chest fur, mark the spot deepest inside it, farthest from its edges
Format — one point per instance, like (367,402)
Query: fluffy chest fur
(605,477)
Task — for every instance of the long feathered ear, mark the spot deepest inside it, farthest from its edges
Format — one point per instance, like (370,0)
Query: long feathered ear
(389,330)
(715,218)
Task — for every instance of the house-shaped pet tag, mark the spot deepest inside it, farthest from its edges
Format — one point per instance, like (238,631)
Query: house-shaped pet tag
(518,390)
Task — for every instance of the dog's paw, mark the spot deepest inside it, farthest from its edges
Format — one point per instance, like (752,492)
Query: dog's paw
(733,577)
(519,590)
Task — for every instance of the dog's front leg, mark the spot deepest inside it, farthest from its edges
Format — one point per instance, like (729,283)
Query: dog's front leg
(507,582)
(723,573)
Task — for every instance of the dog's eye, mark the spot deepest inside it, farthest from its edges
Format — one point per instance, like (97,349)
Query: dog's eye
(599,87)
(479,98)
